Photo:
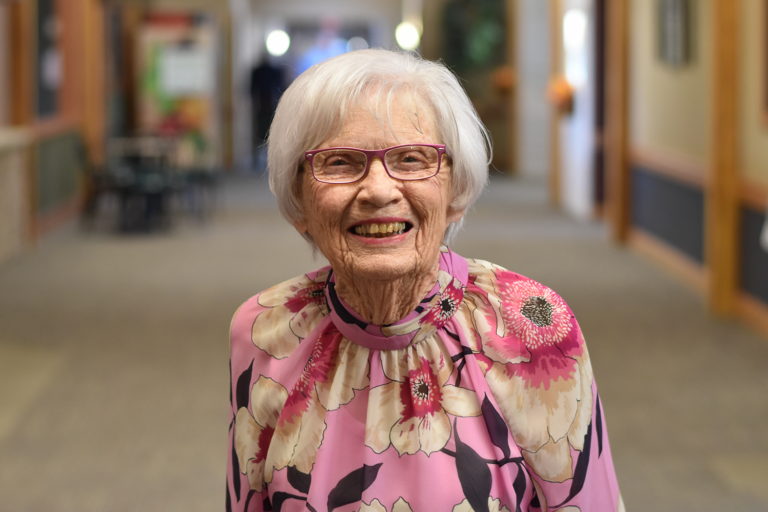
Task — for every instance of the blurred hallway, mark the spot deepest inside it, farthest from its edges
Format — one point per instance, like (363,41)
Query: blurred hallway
(113,357)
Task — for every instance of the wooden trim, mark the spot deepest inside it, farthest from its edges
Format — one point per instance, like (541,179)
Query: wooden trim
(23,59)
(55,126)
(617,194)
(556,70)
(722,192)
(94,79)
(753,194)
(681,168)
(679,264)
(754,312)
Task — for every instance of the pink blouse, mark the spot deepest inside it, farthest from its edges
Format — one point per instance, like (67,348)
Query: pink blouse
(481,399)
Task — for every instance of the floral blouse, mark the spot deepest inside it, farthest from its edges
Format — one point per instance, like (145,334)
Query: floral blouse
(482,399)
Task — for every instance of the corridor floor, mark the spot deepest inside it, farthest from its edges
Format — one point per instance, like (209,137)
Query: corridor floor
(113,357)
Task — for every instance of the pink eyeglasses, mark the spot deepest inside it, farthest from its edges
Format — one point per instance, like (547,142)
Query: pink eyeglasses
(408,162)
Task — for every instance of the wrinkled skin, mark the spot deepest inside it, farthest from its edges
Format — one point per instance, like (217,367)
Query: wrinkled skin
(382,281)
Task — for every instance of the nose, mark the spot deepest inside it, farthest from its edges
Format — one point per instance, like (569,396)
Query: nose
(378,187)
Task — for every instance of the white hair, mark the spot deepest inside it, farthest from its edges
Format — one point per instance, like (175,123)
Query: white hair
(313,108)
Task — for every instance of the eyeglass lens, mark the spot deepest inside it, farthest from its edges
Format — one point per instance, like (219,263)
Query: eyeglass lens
(403,163)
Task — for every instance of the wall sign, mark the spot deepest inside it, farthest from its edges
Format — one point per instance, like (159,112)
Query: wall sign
(674,32)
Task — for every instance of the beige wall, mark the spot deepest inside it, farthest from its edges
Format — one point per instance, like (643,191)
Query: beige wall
(754,119)
(13,193)
(670,108)
(5,66)
(533,68)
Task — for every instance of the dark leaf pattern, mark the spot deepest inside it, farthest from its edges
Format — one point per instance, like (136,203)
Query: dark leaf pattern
(519,485)
(229,501)
(248,499)
(535,503)
(300,481)
(244,387)
(465,351)
(580,473)
(279,498)
(350,488)
(599,427)
(310,507)
(235,472)
(474,475)
(497,427)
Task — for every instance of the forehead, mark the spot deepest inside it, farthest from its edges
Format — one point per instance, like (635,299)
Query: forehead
(374,122)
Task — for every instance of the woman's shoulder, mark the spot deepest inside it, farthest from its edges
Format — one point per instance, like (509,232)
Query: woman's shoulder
(532,351)
(278,318)
(502,283)
(509,309)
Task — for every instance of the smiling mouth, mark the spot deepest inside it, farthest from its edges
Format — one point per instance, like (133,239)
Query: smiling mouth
(383,230)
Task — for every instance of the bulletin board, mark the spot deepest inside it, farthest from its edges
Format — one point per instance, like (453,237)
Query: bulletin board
(178,89)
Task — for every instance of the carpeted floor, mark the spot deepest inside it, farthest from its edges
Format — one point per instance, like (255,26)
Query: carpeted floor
(113,357)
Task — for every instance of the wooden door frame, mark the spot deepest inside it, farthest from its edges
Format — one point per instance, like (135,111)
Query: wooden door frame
(617,197)
(722,187)
(556,115)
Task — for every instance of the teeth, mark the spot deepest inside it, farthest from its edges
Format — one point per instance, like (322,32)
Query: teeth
(380,230)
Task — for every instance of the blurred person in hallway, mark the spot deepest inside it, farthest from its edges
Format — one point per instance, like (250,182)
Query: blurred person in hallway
(266,85)
(403,376)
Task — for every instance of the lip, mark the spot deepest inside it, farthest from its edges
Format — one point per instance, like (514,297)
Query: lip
(390,240)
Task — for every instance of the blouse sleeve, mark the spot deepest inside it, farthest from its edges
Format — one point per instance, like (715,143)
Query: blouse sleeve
(593,485)
(538,369)
(264,333)
(241,497)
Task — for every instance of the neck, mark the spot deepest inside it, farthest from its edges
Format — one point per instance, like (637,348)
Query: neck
(385,302)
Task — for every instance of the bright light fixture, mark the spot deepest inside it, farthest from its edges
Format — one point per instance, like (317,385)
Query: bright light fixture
(278,43)
(575,24)
(407,36)
(575,28)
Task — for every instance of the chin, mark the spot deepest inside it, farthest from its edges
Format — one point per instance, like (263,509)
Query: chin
(386,267)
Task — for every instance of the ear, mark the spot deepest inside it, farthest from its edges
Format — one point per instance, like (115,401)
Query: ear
(455,214)
(302,226)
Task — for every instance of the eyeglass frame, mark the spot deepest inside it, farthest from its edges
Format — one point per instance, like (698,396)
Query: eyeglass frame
(370,154)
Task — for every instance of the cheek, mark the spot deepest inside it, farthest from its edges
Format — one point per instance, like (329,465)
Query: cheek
(430,199)
(325,207)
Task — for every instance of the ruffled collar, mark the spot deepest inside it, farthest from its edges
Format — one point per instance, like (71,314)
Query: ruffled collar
(432,313)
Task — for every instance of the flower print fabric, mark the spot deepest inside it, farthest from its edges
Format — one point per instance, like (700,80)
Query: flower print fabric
(482,399)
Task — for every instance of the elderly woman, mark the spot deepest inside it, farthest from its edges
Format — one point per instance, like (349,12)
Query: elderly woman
(403,377)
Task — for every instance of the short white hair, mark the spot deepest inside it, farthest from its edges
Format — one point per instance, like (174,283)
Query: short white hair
(313,108)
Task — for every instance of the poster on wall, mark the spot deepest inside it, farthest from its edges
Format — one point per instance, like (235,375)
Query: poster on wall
(50,64)
(178,91)
(674,32)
